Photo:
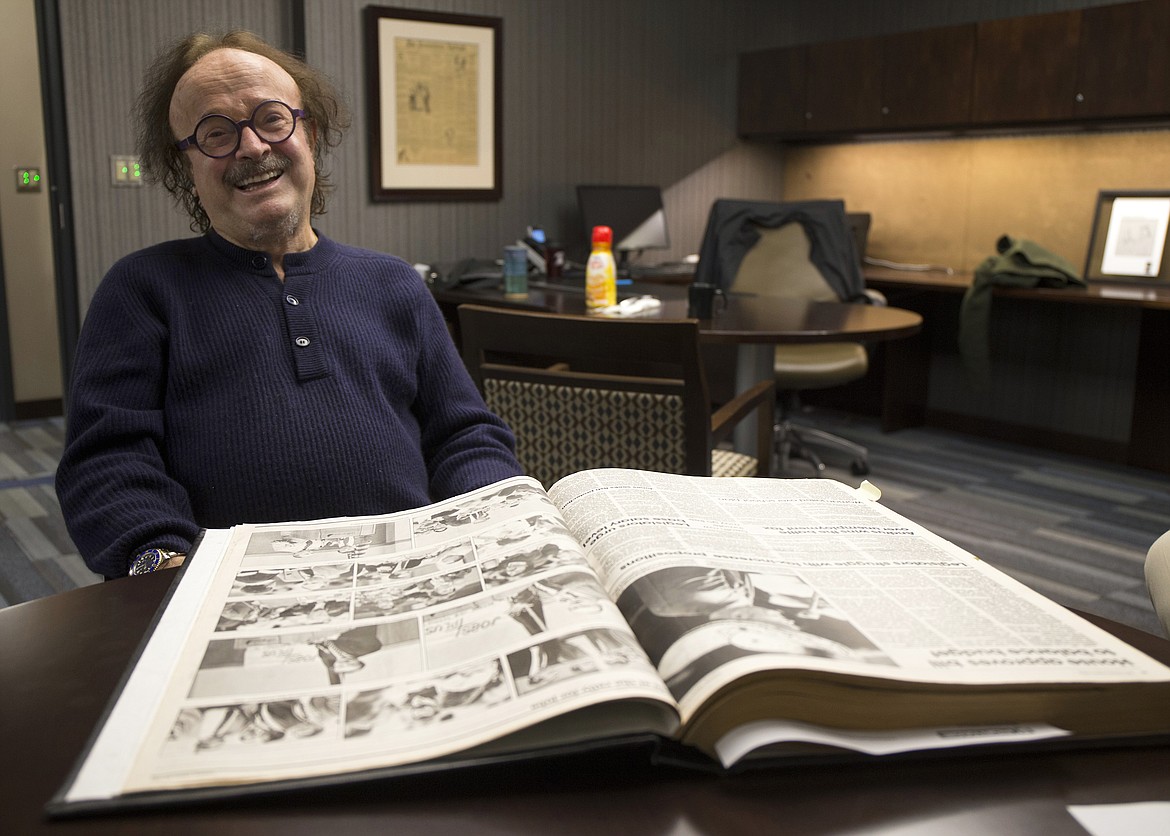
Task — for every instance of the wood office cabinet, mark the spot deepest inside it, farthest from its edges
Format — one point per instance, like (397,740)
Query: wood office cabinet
(772,92)
(897,82)
(926,78)
(1083,66)
(844,86)
(814,90)
(1026,69)
(1124,61)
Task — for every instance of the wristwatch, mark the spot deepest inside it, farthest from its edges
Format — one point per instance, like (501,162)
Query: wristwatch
(152,560)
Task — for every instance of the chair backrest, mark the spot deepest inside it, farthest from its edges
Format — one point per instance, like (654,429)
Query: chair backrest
(779,265)
(859,223)
(582,392)
(1158,578)
(736,229)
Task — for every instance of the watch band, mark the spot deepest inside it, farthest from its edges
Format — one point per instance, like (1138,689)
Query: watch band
(150,560)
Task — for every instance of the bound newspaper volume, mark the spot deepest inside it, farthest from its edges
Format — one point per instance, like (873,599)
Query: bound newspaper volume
(743,620)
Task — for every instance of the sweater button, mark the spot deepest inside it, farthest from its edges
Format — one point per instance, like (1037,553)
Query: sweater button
(292,300)
(259,262)
(302,341)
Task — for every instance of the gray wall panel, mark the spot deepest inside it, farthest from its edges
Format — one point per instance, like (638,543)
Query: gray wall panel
(605,91)
(107,47)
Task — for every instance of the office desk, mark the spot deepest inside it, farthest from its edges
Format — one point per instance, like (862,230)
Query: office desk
(747,319)
(937,295)
(751,324)
(61,658)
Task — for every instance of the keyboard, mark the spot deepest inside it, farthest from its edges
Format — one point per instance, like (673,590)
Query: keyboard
(651,271)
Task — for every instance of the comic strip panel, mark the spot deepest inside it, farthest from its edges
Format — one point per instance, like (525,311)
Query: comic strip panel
(563,658)
(521,531)
(463,695)
(508,564)
(270,547)
(412,595)
(299,661)
(476,513)
(515,616)
(256,615)
(444,558)
(237,728)
(294,580)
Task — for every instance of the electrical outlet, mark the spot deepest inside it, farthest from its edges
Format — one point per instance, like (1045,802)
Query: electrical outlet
(28,179)
(125,170)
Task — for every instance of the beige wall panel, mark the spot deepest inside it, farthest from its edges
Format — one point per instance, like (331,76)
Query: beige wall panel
(947,201)
(26,233)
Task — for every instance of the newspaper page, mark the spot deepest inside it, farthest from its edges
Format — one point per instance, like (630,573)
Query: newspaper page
(720,578)
(356,643)
(436,102)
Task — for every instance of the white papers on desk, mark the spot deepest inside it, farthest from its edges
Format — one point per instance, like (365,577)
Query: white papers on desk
(737,743)
(1131,819)
(1136,293)
(634,306)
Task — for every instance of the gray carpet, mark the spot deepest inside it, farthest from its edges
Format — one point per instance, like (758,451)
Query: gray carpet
(1075,529)
(37,557)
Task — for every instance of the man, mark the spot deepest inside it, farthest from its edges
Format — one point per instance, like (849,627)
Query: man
(260,372)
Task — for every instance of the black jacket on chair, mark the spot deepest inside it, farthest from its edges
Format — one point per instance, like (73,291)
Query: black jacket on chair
(733,229)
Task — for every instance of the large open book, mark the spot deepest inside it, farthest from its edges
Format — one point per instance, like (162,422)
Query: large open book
(739,619)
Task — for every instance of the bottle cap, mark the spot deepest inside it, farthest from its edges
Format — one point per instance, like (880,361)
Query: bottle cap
(602,235)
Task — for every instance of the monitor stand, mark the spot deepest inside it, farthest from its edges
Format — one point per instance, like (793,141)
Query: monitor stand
(624,270)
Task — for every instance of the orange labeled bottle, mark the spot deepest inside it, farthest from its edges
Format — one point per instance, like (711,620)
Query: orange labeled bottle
(601,271)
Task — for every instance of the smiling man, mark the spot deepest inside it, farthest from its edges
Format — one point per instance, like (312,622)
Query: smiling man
(260,371)
(256,184)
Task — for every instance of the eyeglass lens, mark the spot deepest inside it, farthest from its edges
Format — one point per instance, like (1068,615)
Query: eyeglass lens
(218,136)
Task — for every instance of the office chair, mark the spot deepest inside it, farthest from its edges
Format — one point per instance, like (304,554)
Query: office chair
(1158,578)
(585,391)
(804,250)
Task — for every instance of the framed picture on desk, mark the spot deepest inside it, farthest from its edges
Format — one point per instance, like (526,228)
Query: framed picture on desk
(433,91)
(1128,242)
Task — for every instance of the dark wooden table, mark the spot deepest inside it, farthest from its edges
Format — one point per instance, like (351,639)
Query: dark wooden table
(750,324)
(61,659)
(746,319)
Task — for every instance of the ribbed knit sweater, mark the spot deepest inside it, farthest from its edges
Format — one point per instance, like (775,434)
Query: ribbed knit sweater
(207,393)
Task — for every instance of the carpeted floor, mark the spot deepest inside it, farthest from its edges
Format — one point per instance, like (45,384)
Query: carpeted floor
(1075,529)
(37,557)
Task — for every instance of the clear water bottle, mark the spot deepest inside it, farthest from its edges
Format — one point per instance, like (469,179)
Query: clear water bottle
(515,271)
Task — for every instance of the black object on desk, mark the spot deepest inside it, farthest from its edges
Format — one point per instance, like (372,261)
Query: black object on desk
(480,272)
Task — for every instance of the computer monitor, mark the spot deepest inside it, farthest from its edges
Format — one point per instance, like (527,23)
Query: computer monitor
(634,213)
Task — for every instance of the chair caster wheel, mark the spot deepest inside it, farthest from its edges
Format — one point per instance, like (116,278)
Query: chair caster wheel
(859,468)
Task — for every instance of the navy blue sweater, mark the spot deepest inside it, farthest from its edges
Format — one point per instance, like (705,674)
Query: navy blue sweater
(208,393)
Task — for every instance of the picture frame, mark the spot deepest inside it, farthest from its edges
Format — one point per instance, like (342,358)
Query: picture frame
(434,88)
(1128,240)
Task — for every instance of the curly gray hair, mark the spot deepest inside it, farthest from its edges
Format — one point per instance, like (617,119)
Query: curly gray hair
(163,163)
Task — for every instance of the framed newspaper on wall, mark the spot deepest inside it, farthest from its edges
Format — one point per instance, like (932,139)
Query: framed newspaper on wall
(433,92)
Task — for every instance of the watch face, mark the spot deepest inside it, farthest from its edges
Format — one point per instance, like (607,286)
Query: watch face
(147,562)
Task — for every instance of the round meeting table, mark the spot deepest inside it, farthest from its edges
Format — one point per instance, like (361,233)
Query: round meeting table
(750,323)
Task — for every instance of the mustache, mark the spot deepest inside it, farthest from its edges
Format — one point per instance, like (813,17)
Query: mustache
(244,170)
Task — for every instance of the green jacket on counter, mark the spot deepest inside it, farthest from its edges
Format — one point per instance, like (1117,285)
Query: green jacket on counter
(1018,263)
